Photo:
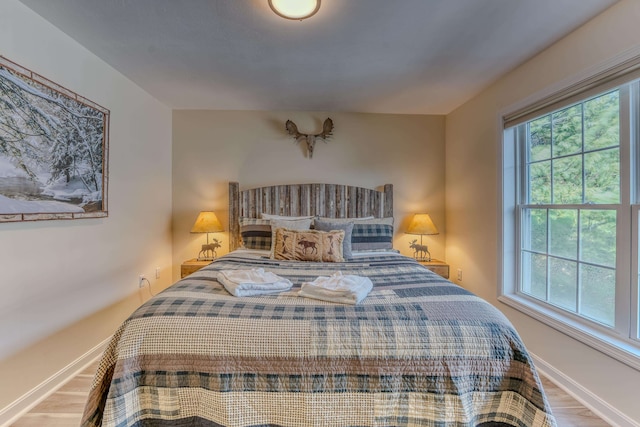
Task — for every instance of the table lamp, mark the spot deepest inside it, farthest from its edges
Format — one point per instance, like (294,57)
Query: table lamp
(421,224)
(207,222)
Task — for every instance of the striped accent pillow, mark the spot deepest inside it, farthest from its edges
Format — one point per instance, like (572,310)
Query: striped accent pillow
(255,233)
(367,237)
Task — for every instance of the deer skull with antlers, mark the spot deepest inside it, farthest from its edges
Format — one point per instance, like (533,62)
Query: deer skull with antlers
(327,129)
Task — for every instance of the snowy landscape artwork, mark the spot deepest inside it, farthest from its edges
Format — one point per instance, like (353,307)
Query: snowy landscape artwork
(53,149)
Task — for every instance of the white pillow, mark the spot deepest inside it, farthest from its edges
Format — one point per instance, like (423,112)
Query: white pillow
(294,224)
(288,218)
(364,219)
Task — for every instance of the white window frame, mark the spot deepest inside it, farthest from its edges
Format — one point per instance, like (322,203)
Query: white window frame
(620,342)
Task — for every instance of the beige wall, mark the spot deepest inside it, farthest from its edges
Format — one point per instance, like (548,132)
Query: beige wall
(212,148)
(473,141)
(67,278)
(56,307)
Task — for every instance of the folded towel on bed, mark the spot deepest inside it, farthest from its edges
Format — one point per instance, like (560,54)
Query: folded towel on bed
(250,282)
(345,289)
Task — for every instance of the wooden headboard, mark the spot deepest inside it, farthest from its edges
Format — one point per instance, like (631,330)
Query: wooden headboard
(328,200)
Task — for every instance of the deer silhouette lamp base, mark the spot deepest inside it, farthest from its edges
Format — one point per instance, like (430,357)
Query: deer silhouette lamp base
(208,251)
(421,252)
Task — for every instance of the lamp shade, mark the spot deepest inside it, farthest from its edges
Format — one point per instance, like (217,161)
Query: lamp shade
(207,222)
(421,224)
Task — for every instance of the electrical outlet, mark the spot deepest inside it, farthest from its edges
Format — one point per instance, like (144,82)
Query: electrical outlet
(459,275)
(141,279)
(157,272)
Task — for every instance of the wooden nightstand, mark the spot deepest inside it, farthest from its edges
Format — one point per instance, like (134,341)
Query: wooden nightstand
(437,266)
(191,266)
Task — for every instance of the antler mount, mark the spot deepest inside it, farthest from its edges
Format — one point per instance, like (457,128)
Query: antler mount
(310,139)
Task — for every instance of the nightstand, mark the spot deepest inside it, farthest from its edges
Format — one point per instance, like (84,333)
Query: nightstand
(439,267)
(191,266)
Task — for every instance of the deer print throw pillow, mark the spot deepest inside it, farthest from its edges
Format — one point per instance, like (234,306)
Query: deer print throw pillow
(294,224)
(312,245)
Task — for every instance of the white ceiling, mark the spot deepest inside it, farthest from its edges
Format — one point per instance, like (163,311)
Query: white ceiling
(383,56)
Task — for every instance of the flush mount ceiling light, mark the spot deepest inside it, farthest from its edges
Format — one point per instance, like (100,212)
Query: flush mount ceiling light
(295,9)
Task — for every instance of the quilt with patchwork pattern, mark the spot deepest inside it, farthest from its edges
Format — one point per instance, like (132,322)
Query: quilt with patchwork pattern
(418,351)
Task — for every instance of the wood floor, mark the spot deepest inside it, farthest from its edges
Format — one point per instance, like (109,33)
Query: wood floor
(64,407)
(568,411)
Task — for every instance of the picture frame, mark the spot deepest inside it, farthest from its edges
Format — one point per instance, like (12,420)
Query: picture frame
(54,147)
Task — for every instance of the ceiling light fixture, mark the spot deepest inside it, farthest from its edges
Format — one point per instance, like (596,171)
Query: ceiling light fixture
(295,9)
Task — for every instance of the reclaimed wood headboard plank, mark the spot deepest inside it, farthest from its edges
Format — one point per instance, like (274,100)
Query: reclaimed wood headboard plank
(328,200)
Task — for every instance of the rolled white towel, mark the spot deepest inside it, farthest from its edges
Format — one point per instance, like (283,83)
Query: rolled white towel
(345,289)
(251,282)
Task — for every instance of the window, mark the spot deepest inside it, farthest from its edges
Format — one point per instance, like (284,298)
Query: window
(570,218)
(572,178)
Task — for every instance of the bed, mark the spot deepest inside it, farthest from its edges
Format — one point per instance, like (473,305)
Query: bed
(418,351)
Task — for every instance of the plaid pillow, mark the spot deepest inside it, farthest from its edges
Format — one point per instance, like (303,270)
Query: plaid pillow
(255,233)
(366,237)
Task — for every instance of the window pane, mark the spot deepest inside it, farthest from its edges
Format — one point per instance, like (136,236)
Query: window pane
(598,237)
(567,131)
(563,283)
(567,180)
(536,232)
(571,167)
(602,121)
(563,233)
(540,139)
(534,272)
(602,176)
(540,182)
(598,293)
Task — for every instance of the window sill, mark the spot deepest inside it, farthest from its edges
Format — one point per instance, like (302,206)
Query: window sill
(622,350)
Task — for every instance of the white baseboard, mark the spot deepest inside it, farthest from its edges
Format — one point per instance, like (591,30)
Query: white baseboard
(15,410)
(593,402)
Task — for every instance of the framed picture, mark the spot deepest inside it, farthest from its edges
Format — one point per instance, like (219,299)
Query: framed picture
(53,149)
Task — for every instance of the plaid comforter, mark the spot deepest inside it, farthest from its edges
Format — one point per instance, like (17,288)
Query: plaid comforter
(418,351)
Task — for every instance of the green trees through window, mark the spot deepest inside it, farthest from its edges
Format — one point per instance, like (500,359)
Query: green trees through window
(569,209)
